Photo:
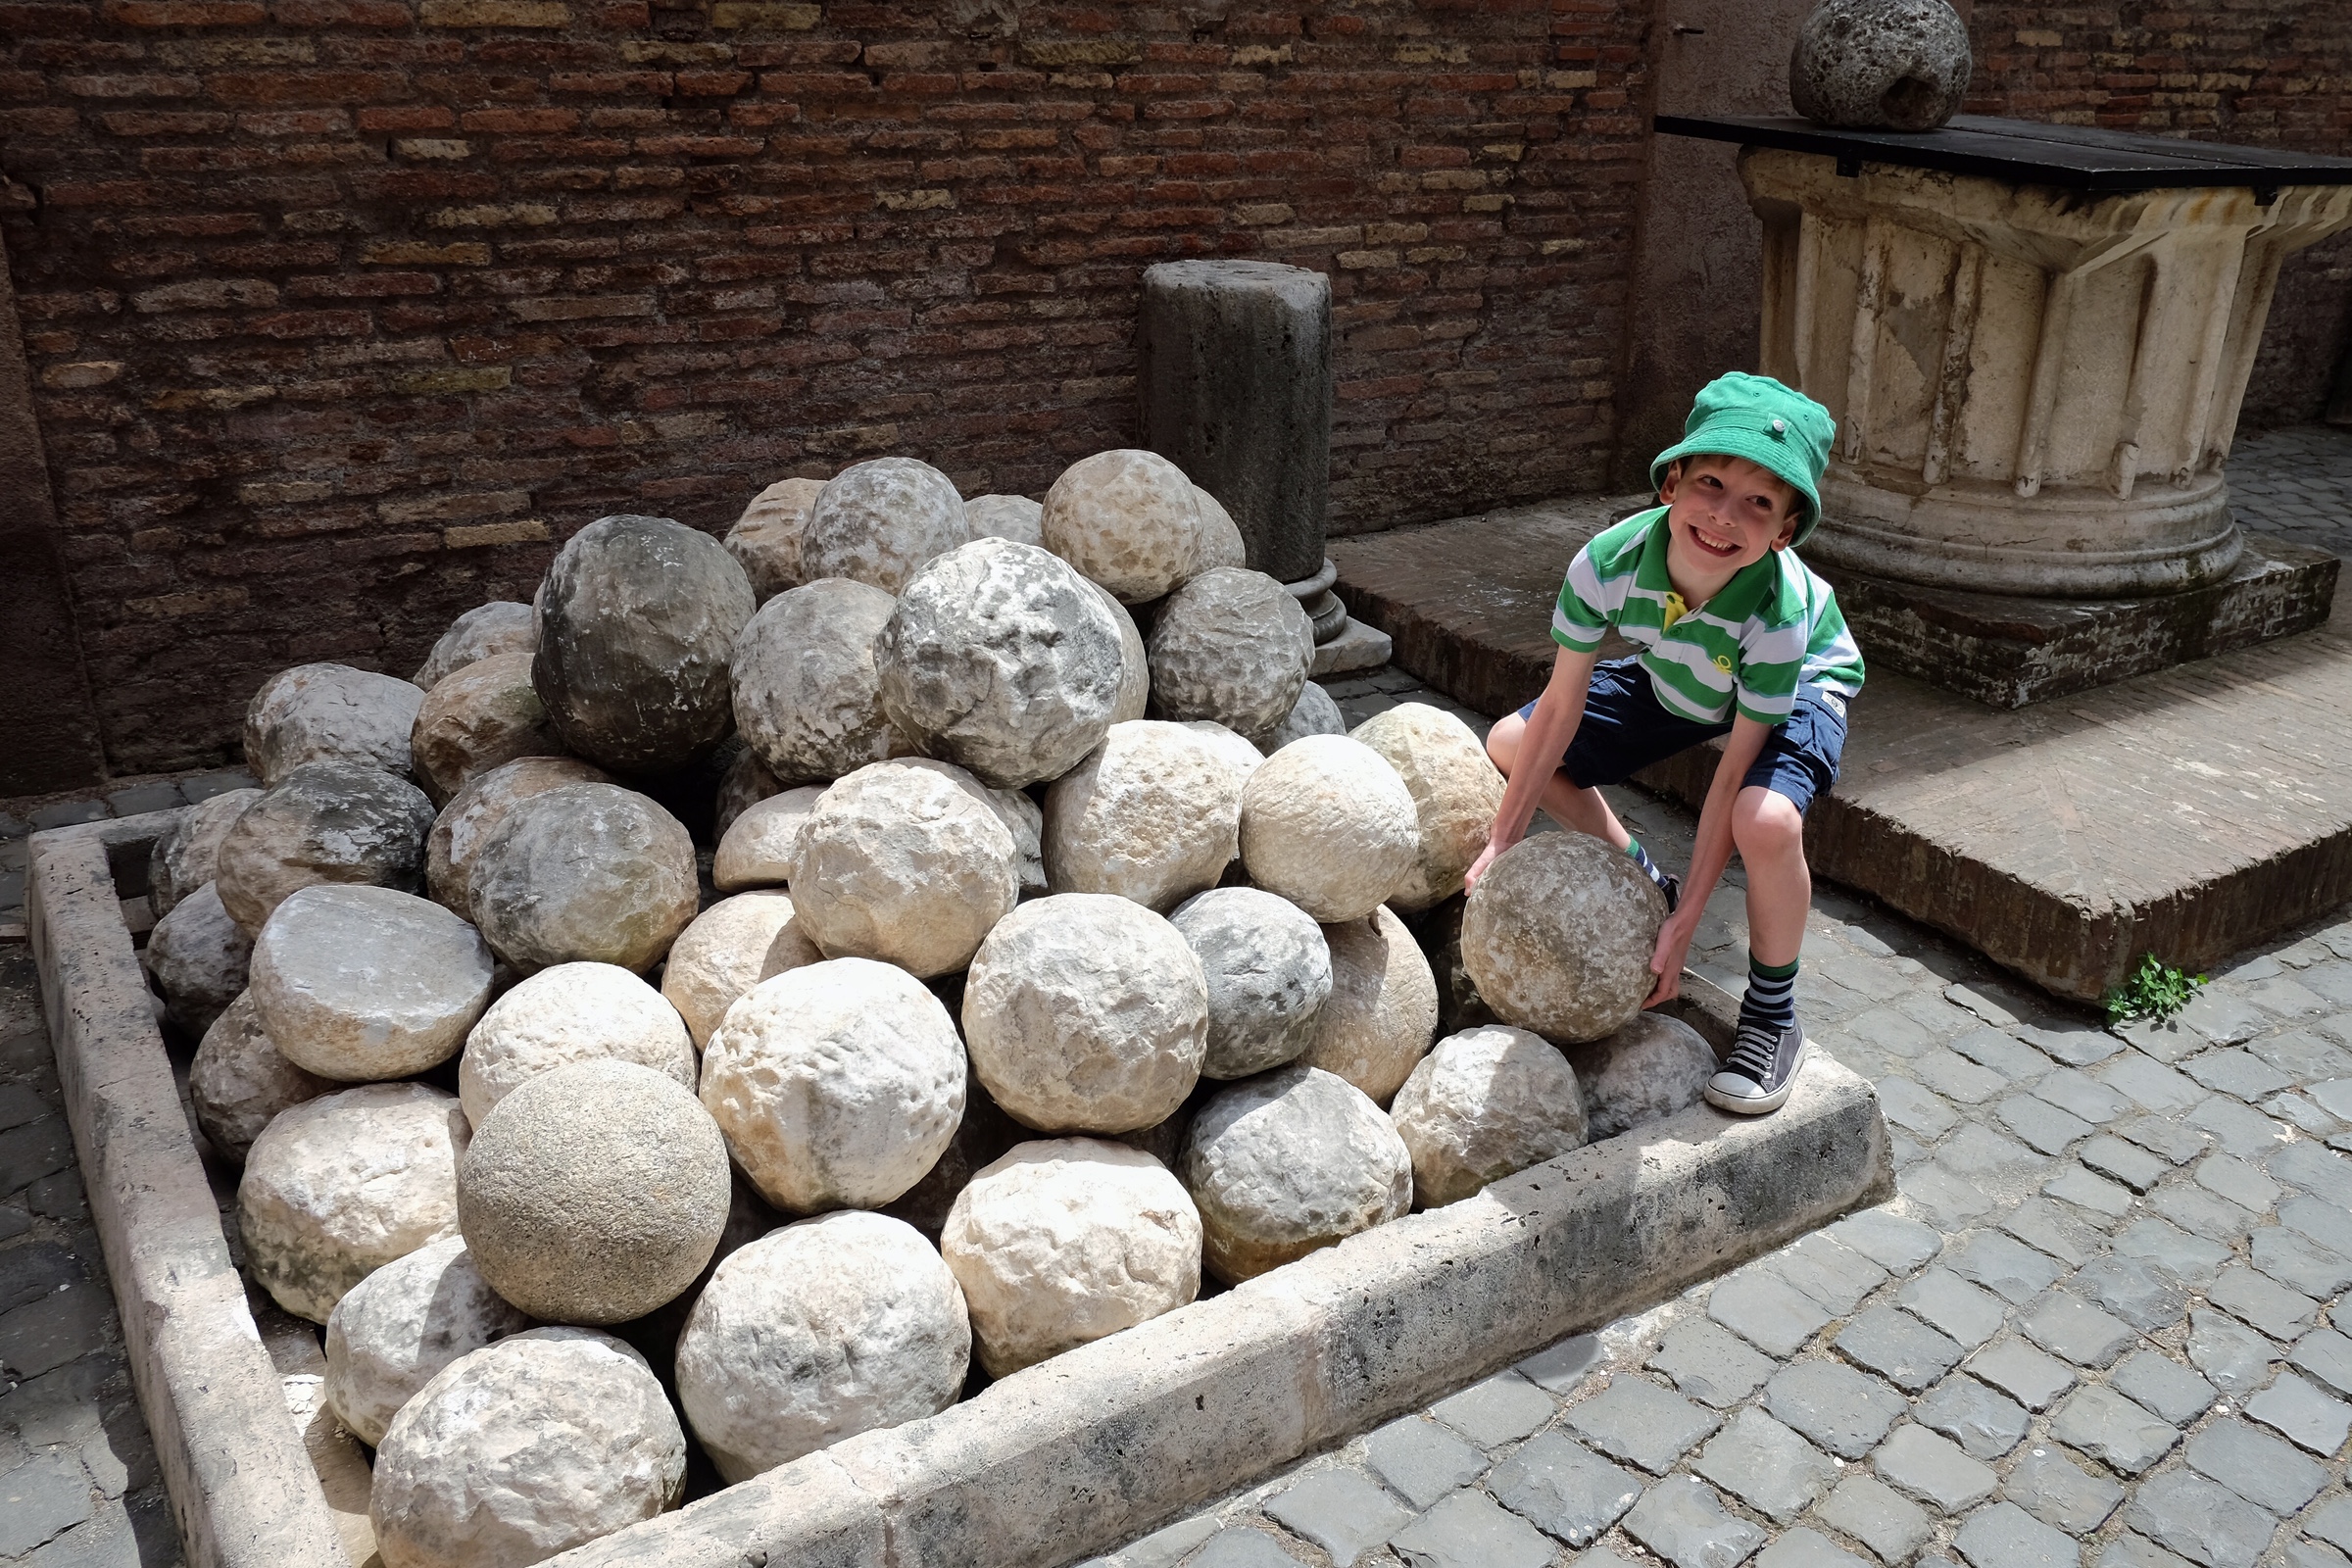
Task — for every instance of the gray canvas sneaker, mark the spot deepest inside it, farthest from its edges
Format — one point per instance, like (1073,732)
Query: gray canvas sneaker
(1761,1072)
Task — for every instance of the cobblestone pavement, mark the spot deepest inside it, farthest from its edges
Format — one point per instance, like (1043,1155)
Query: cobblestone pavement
(2294,482)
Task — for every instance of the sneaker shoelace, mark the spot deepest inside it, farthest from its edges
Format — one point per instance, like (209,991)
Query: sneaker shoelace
(1753,1051)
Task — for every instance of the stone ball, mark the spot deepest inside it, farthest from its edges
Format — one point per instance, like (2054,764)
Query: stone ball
(187,854)
(837,1084)
(1086,1012)
(816,1331)
(758,848)
(523,1449)
(730,948)
(1382,1010)
(639,616)
(323,823)
(742,784)
(1221,542)
(1314,713)
(878,521)
(1064,1240)
(238,1081)
(571,1012)
(501,626)
(1153,814)
(1000,659)
(1126,518)
(199,958)
(1484,1104)
(1238,753)
(1881,65)
(482,802)
(1223,649)
(1025,820)
(1327,823)
(594,1192)
(1268,969)
(1651,1066)
(476,718)
(402,1324)
(363,984)
(808,693)
(1456,790)
(587,872)
(765,540)
(906,863)
(1015,518)
(1288,1163)
(1559,935)
(339,1186)
(982,1137)
(329,713)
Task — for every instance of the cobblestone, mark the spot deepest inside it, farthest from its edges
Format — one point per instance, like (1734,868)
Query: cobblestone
(2060,1492)
(1876,1515)
(1766,1465)
(2107,1425)
(2166,1387)
(1933,1469)
(1565,1489)
(2255,1466)
(2302,1414)
(1984,1423)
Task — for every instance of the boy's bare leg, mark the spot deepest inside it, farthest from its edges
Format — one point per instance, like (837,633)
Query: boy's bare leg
(1770,833)
(1580,809)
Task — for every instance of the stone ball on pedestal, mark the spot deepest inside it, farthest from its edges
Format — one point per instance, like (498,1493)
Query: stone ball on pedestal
(1126,518)
(238,1081)
(479,807)
(476,718)
(1221,542)
(1484,1103)
(907,864)
(329,713)
(807,694)
(1224,648)
(363,984)
(187,854)
(879,521)
(571,1012)
(501,626)
(1652,1067)
(200,959)
(1383,1010)
(1288,1163)
(1881,65)
(1327,823)
(1268,969)
(758,848)
(1456,790)
(1015,518)
(730,948)
(765,540)
(1314,713)
(1153,814)
(334,823)
(584,871)
(1559,935)
(402,1324)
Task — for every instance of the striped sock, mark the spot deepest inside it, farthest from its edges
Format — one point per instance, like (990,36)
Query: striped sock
(1649,868)
(1770,1006)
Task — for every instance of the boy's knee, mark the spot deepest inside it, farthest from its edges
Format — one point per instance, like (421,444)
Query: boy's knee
(1764,821)
(1503,741)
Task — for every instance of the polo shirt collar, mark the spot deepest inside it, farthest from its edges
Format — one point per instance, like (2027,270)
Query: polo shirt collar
(1750,588)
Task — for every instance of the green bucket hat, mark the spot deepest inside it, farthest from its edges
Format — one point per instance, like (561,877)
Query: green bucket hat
(1773,427)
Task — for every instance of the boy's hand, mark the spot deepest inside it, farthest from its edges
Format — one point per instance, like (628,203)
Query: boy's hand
(1495,846)
(1674,945)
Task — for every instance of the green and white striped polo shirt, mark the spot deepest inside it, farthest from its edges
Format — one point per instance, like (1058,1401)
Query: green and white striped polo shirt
(1773,627)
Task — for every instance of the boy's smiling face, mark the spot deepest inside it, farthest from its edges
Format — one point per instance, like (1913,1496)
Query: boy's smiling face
(1723,514)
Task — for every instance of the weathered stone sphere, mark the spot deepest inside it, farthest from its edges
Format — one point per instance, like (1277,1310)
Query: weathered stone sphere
(587,872)
(339,1186)
(1484,1104)
(816,1331)
(187,854)
(1015,518)
(1221,542)
(637,621)
(363,984)
(1239,755)
(523,1449)
(571,1012)
(765,540)
(730,948)
(1135,661)
(1086,1012)
(1286,1163)
(1000,659)
(340,822)
(1652,1067)
(501,626)
(744,784)
(403,1323)
(1456,790)
(199,958)
(594,1192)
(1314,713)
(1268,969)
(1152,815)
(758,848)
(1881,65)
(905,864)
(1126,518)
(982,1138)
(1382,1010)
(476,718)
(808,696)
(1025,820)
(1327,823)
(1222,649)
(329,713)
(837,1084)
(878,521)
(238,1081)
(479,806)
(1558,936)
(1064,1240)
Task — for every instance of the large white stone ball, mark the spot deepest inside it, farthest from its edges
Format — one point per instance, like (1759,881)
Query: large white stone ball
(501,626)
(1314,713)
(816,1331)
(907,865)
(1135,661)
(362,984)
(584,871)
(342,822)
(1383,1010)
(187,854)
(808,696)
(1456,790)
(337,1187)
(744,784)
(199,958)
(1486,1103)
(759,847)
(476,718)
(1327,823)
(730,948)
(1064,1240)
(403,1323)
(1015,518)
(1223,648)
(329,713)
(1001,658)
(765,540)
(594,1192)
(1152,815)
(1126,518)
(479,806)
(571,1012)
(1558,936)
(1268,967)
(1221,542)
(1288,1163)
(1086,1012)
(238,1081)
(838,1084)
(878,521)
(1651,1066)
(545,1441)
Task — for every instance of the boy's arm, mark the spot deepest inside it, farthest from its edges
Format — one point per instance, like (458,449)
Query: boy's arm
(1549,729)
(1711,853)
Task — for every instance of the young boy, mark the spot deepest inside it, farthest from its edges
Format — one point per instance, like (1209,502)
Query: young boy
(1737,638)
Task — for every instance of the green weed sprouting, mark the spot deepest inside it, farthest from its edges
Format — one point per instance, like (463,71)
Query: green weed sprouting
(2156,990)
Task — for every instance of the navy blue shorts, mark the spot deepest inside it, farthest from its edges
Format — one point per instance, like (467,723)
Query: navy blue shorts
(1626,728)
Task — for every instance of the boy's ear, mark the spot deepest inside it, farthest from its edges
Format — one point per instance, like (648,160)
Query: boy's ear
(1787,534)
(1667,481)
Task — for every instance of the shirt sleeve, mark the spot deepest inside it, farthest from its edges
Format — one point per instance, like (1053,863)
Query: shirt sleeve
(1584,612)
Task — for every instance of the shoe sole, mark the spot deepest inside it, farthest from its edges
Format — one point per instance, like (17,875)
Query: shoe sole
(1761,1104)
